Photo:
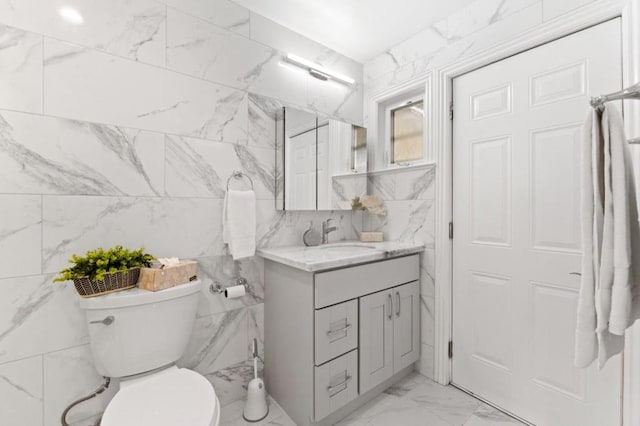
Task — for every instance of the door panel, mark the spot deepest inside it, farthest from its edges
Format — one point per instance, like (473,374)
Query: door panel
(516,209)
(406,325)
(376,339)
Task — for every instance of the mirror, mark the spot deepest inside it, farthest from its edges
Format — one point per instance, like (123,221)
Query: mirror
(321,163)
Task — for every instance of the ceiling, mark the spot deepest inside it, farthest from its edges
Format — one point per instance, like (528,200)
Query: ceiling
(359,29)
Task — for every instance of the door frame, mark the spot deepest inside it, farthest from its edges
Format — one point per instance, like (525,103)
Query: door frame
(587,16)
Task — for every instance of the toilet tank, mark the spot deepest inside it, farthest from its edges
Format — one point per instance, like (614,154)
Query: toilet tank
(135,331)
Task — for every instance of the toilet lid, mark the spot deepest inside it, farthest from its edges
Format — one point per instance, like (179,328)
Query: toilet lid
(176,397)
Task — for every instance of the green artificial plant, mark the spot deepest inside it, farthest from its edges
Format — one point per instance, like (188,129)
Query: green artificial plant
(96,263)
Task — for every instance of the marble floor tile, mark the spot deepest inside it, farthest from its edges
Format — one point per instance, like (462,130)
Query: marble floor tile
(416,400)
(232,415)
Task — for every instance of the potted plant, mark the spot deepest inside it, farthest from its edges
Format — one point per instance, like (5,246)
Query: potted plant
(104,271)
(372,205)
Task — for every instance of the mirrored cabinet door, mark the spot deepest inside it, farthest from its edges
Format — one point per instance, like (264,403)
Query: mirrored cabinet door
(321,163)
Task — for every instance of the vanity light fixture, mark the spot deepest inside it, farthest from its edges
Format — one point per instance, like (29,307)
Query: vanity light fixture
(71,15)
(318,71)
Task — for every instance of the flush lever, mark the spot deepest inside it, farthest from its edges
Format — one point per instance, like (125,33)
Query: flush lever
(107,321)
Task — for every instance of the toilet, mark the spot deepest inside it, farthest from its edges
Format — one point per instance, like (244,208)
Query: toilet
(137,336)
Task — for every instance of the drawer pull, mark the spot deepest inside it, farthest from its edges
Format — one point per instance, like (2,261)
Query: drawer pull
(330,333)
(398,297)
(344,383)
(390,306)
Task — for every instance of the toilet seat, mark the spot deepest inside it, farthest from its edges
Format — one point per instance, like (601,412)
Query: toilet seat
(171,397)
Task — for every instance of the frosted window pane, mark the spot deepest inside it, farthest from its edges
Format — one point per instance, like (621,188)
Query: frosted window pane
(406,132)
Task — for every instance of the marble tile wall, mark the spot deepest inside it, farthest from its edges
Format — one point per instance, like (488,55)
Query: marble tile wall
(123,129)
(409,194)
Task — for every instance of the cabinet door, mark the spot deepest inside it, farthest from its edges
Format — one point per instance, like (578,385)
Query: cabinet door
(406,325)
(376,339)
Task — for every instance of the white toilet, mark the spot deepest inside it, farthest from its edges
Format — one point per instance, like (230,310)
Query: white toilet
(137,336)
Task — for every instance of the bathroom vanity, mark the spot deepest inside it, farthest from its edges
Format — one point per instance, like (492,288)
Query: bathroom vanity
(341,325)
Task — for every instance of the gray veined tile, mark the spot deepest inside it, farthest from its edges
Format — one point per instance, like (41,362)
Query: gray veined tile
(201,168)
(232,415)
(50,155)
(489,416)
(20,235)
(133,29)
(37,316)
(184,228)
(231,382)
(446,402)
(69,375)
(382,185)
(392,410)
(88,85)
(427,272)
(21,392)
(20,69)
(345,188)
(425,364)
(262,120)
(217,341)
(223,13)
(226,271)
(197,168)
(199,48)
(427,320)
(255,330)
(415,184)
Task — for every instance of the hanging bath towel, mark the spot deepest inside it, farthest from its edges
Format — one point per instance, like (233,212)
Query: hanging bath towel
(610,239)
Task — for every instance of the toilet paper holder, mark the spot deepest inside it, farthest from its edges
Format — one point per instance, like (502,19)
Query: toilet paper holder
(216,288)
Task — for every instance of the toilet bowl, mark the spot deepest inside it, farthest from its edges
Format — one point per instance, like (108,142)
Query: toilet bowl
(137,336)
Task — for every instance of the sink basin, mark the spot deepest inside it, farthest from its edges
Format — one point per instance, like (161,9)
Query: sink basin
(347,247)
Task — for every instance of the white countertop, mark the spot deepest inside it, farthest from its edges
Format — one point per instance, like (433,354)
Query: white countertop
(337,255)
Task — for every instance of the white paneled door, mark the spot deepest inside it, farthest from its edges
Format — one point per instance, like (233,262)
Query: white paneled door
(516,212)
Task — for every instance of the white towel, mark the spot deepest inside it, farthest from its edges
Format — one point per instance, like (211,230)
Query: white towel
(239,223)
(586,349)
(610,239)
(626,235)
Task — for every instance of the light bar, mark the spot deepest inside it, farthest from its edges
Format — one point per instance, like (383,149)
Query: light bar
(318,71)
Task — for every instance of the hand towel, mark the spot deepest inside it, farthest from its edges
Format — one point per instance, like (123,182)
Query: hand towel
(239,223)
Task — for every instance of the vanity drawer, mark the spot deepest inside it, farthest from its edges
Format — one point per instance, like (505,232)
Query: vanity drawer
(336,384)
(349,283)
(336,330)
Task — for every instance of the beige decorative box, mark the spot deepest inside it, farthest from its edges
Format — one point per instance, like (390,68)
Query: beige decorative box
(371,236)
(154,279)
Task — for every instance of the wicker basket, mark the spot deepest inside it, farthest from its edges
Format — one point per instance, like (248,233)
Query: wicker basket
(121,280)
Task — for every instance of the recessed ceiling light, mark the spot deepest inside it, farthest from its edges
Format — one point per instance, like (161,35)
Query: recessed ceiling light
(71,15)
(318,71)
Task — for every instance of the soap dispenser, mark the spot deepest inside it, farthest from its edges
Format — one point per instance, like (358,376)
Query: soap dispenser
(311,237)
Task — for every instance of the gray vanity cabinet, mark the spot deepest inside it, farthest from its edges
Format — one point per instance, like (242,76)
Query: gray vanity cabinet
(336,338)
(389,333)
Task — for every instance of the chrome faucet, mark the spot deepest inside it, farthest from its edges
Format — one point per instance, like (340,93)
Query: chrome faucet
(326,230)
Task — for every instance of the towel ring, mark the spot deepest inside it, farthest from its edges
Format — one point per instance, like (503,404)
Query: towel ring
(237,174)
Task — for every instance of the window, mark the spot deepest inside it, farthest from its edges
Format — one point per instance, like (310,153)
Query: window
(406,132)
